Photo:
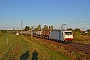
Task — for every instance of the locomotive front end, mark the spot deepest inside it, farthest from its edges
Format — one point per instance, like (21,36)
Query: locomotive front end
(68,36)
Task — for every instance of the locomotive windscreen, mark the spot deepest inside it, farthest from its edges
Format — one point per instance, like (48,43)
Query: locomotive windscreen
(68,33)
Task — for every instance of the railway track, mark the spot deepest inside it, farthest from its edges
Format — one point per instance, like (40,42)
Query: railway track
(71,47)
(81,47)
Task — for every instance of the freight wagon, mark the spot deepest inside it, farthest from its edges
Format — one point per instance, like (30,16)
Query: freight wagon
(38,33)
(62,36)
(45,34)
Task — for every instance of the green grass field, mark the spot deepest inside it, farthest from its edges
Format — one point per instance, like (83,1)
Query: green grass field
(19,47)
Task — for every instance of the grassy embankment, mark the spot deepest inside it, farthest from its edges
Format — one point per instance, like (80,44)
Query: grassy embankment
(18,45)
(70,54)
(81,37)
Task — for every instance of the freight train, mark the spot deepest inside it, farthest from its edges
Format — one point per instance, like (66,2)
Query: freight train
(56,35)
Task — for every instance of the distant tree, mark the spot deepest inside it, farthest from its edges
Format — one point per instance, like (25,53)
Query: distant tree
(88,30)
(51,27)
(39,27)
(27,28)
(77,29)
(36,29)
(13,29)
(3,31)
(69,29)
(45,27)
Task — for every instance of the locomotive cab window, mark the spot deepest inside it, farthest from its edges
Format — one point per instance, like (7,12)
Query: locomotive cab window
(68,33)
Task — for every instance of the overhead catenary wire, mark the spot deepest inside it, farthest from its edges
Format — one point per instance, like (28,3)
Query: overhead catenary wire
(72,25)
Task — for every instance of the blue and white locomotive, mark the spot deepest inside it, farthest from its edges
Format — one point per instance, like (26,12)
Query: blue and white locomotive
(63,36)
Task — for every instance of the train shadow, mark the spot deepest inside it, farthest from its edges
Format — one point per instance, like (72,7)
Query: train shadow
(34,55)
(24,56)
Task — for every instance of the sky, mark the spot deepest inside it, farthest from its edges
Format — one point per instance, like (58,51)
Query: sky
(73,13)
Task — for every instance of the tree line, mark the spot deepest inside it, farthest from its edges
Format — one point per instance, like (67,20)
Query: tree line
(38,28)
